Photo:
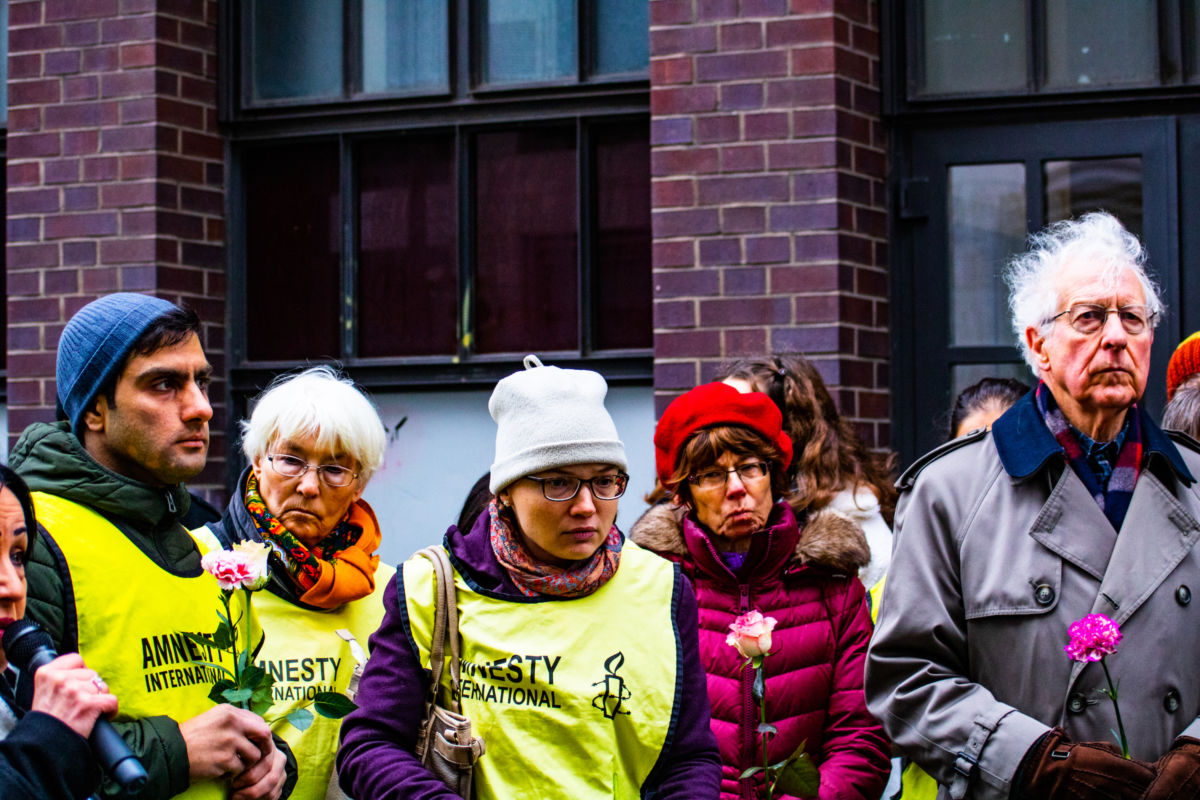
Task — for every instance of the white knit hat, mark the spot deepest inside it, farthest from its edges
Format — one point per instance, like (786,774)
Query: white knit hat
(548,417)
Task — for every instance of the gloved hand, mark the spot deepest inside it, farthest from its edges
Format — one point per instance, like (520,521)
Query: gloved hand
(1056,768)
(1177,773)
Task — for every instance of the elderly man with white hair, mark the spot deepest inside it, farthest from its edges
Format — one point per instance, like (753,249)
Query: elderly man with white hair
(313,442)
(1075,503)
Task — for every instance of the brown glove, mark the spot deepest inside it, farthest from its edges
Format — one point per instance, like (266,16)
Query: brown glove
(1056,768)
(1177,772)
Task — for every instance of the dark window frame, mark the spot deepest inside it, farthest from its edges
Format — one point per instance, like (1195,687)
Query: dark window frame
(901,62)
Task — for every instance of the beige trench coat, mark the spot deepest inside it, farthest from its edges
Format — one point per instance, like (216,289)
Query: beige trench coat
(966,669)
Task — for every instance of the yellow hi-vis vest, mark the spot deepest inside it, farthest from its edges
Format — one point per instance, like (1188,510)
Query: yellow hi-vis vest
(130,613)
(573,698)
(305,655)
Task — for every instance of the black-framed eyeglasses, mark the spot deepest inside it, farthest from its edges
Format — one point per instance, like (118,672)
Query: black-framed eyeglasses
(1088,318)
(561,488)
(332,475)
(715,478)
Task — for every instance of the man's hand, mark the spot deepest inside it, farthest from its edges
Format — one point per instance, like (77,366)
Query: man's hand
(224,741)
(67,690)
(1056,768)
(1177,773)
(264,779)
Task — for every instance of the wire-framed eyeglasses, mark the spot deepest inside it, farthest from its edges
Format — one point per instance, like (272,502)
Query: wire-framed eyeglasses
(561,488)
(716,478)
(1088,318)
(332,475)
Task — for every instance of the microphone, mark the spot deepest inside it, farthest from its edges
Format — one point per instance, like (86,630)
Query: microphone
(29,648)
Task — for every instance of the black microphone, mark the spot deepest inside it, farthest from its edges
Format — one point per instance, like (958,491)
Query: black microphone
(29,648)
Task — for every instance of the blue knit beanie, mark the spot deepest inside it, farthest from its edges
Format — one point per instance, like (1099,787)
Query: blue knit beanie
(95,343)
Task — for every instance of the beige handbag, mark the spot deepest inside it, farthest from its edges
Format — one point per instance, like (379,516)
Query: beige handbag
(445,744)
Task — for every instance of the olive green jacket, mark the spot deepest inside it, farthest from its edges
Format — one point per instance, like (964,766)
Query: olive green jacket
(51,459)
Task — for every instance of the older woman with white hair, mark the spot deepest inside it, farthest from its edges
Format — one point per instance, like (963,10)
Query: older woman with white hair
(313,442)
(1075,504)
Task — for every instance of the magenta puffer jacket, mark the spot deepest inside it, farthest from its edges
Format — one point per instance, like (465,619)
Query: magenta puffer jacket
(808,582)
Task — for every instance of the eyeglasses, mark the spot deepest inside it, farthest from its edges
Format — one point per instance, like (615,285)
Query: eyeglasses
(1088,318)
(332,475)
(561,488)
(716,478)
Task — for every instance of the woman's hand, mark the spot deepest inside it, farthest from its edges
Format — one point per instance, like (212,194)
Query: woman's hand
(67,690)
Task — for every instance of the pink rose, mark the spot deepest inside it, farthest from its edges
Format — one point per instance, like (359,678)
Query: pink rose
(245,566)
(751,634)
(1092,638)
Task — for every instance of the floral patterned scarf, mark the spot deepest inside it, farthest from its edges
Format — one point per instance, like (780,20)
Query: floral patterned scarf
(313,571)
(533,577)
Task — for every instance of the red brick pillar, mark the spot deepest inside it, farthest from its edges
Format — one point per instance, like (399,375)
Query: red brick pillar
(769,202)
(115,178)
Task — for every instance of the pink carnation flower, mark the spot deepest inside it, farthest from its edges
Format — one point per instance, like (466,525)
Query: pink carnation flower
(1092,638)
(751,634)
(245,566)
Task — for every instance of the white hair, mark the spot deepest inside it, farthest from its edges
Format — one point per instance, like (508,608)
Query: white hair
(317,402)
(1033,276)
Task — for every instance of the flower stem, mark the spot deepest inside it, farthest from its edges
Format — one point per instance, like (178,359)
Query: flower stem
(762,716)
(1112,693)
(247,644)
(237,678)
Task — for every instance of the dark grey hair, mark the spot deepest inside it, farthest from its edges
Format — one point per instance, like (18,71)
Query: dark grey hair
(1183,412)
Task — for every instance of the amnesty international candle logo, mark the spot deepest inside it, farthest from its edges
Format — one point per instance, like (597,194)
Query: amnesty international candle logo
(615,693)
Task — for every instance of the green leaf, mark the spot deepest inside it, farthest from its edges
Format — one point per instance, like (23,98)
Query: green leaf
(766,728)
(243,660)
(334,705)
(799,775)
(221,616)
(197,640)
(760,686)
(217,693)
(261,701)
(222,638)
(748,773)
(300,719)
(252,677)
(237,696)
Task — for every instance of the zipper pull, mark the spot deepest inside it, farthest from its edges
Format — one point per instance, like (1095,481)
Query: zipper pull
(744,597)
(170,502)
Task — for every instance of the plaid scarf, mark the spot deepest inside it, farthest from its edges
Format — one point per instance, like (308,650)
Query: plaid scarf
(301,563)
(1114,498)
(533,577)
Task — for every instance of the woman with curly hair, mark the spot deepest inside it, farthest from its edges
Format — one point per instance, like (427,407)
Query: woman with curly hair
(832,469)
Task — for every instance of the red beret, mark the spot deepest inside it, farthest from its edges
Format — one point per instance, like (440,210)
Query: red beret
(710,405)
(1184,363)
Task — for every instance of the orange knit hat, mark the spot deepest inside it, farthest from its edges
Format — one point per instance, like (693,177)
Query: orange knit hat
(1184,363)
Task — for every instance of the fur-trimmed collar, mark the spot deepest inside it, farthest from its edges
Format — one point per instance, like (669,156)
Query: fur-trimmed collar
(828,538)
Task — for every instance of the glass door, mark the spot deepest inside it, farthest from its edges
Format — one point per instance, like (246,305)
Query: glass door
(970,198)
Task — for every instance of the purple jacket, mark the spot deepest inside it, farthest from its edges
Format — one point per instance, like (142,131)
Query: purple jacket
(376,757)
(814,674)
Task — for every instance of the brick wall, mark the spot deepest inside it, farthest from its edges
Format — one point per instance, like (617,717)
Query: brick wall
(769,202)
(115,178)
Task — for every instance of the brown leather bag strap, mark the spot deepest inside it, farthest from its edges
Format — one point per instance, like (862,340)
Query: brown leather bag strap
(445,625)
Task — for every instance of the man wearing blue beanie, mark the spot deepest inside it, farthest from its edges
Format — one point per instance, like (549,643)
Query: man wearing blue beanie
(117,577)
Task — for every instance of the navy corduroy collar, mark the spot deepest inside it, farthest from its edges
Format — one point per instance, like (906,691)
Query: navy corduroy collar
(1025,444)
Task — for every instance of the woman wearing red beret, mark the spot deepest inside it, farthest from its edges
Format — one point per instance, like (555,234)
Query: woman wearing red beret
(724,455)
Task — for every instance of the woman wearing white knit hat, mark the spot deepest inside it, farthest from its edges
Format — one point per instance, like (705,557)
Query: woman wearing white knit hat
(579,663)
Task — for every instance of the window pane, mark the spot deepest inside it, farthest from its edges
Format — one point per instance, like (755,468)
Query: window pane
(973,46)
(297,49)
(404,45)
(1191,39)
(292,252)
(620,36)
(986,219)
(1109,184)
(621,282)
(526,241)
(407,270)
(529,40)
(1093,43)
